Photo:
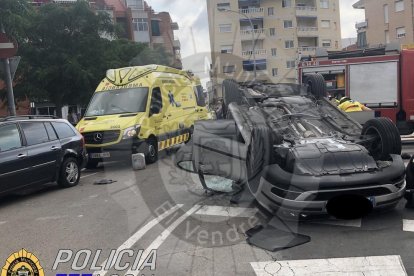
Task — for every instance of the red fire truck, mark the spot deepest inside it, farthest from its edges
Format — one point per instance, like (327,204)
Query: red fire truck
(380,78)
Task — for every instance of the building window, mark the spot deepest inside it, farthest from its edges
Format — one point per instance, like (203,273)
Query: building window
(229,69)
(326,24)
(272,31)
(225,28)
(248,65)
(386,14)
(135,4)
(289,44)
(270,11)
(155,28)
(223,6)
(324,4)
(274,52)
(227,49)
(140,24)
(326,43)
(387,37)
(274,72)
(287,24)
(400,32)
(290,64)
(399,6)
(287,3)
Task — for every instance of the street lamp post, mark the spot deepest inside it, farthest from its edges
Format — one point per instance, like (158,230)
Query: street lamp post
(253,37)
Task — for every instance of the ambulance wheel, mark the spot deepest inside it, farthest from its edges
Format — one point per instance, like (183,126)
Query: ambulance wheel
(231,94)
(151,155)
(387,138)
(316,85)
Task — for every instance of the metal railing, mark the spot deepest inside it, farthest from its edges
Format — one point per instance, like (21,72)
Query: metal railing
(306,8)
(307,29)
(255,31)
(307,49)
(257,52)
(252,10)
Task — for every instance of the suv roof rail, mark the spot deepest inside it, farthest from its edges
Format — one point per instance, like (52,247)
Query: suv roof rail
(10,118)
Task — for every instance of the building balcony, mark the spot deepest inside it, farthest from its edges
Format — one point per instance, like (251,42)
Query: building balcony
(176,44)
(260,53)
(308,32)
(259,34)
(361,25)
(307,50)
(253,12)
(306,11)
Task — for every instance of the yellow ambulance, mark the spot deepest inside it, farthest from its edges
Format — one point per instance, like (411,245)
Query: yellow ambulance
(143,109)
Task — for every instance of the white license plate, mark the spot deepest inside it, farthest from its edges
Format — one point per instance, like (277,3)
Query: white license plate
(100,155)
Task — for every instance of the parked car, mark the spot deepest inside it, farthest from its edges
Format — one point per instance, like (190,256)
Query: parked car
(142,109)
(36,150)
(297,152)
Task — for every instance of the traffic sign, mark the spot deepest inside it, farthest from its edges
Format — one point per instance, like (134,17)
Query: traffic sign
(8,48)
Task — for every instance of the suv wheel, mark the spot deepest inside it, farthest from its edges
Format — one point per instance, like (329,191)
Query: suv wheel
(152,151)
(387,138)
(69,173)
(316,85)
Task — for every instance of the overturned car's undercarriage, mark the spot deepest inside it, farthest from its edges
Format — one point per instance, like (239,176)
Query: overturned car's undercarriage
(297,152)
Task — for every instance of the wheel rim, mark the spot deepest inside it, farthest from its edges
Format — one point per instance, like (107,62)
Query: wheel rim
(375,147)
(151,150)
(72,172)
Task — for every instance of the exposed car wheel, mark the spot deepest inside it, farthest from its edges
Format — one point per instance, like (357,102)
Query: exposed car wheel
(409,179)
(387,138)
(231,94)
(69,173)
(92,164)
(151,155)
(316,85)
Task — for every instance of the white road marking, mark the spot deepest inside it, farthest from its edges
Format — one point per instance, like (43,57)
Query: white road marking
(408,225)
(339,222)
(85,176)
(3,222)
(93,196)
(368,266)
(51,218)
(6,46)
(138,235)
(226,211)
(161,238)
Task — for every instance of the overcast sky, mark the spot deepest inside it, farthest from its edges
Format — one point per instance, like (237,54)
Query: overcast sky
(192,19)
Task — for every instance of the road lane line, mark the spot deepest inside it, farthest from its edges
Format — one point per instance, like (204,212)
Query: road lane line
(378,265)
(225,211)
(85,176)
(408,225)
(3,222)
(161,238)
(138,235)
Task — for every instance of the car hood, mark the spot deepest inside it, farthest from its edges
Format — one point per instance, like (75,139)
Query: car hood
(109,122)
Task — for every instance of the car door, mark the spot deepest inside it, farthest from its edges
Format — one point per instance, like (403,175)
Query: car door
(14,163)
(157,113)
(218,150)
(43,152)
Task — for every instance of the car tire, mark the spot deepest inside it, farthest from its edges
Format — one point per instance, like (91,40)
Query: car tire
(92,164)
(388,138)
(231,94)
(151,155)
(69,173)
(316,85)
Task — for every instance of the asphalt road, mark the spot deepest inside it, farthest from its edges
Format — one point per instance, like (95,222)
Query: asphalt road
(164,209)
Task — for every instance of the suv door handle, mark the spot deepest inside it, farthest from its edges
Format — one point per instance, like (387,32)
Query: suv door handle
(54,148)
(21,156)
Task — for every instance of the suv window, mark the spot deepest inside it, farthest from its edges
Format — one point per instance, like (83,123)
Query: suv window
(63,130)
(156,99)
(9,138)
(35,133)
(201,101)
(51,132)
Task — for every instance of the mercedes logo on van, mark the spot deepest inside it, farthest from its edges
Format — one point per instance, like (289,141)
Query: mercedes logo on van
(98,137)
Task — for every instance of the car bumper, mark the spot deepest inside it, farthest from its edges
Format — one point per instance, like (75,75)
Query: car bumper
(279,191)
(118,151)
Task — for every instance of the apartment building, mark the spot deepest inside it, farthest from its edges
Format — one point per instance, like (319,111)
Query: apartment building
(273,34)
(387,21)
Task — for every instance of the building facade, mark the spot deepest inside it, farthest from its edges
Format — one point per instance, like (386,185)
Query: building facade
(273,34)
(387,21)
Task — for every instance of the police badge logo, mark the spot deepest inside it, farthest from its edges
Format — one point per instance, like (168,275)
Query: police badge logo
(22,263)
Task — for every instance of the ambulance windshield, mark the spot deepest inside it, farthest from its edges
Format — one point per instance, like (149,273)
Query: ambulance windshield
(131,100)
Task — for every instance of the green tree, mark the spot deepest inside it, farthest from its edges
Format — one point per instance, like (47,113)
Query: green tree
(65,56)
(14,16)
(157,55)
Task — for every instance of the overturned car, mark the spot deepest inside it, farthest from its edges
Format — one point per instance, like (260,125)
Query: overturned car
(296,152)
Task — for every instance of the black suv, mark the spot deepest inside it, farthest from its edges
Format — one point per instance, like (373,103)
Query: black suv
(36,150)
